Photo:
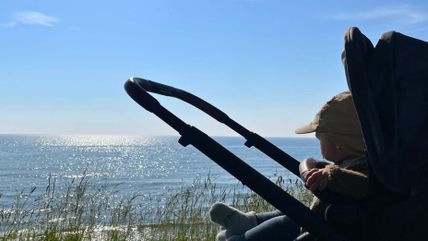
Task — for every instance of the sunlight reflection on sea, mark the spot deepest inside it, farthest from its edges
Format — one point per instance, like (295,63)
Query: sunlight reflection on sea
(133,164)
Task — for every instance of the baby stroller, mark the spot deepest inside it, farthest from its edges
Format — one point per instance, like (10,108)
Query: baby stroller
(388,84)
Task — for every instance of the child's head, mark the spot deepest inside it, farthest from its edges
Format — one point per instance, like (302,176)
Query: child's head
(337,127)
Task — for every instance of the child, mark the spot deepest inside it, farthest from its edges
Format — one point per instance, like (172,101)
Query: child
(338,129)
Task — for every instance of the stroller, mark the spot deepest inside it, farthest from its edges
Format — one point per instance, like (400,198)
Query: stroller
(388,84)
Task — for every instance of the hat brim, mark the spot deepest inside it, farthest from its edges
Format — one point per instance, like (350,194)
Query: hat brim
(309,128)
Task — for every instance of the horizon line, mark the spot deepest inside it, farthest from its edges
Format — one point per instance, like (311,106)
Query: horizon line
(136,135)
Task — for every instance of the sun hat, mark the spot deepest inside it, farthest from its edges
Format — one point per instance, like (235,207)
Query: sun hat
(338,121)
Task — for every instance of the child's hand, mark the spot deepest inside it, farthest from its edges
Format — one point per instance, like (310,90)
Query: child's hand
(317,179)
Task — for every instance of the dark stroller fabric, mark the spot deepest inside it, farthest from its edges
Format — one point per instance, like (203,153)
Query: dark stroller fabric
(389,84)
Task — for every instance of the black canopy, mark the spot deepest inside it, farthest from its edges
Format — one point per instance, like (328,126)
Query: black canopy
(389,84)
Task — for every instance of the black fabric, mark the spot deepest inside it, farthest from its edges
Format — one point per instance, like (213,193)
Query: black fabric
(389,84)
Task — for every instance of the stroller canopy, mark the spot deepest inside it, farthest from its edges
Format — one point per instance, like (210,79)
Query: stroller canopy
(389,84)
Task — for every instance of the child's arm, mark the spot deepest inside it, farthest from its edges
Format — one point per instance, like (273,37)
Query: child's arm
(347,182)
(339,180)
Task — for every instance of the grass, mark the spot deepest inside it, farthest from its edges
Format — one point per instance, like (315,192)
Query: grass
(82,211)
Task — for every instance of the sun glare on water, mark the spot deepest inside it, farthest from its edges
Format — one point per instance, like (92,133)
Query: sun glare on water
(97,140)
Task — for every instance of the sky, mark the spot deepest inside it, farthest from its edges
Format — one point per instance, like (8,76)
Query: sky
(270,65)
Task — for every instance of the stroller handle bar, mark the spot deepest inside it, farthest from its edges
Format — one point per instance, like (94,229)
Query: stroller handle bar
(137,89)
(252,138)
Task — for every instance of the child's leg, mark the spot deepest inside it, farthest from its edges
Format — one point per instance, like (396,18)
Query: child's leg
(279,228)
(261,217)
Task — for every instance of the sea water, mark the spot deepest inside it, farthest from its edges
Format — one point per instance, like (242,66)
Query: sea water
(134,165)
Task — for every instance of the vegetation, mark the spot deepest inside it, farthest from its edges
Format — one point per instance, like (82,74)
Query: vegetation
(81,211)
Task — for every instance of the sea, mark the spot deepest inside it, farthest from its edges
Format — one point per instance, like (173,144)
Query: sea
(133,165)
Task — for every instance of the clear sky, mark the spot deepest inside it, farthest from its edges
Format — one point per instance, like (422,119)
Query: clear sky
(270,65)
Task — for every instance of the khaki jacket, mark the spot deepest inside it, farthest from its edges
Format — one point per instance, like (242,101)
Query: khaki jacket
(349,178)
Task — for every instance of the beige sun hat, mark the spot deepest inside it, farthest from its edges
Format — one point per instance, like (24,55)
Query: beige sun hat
(338,121)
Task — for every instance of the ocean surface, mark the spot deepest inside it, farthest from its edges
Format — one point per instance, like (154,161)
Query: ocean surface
(131,164)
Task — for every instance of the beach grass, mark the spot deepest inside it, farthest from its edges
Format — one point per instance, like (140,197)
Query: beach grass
(83,211)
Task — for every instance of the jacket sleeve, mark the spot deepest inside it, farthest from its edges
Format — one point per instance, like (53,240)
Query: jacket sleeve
(350,183)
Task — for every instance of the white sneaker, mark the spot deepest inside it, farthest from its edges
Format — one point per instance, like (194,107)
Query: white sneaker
(235,221)
(221,236)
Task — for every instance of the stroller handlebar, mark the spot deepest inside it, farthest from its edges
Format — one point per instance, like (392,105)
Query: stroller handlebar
(138,88)
(166,90)
(155,87)
(253,139)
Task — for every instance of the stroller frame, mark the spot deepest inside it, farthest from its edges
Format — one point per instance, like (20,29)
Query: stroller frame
(138,88)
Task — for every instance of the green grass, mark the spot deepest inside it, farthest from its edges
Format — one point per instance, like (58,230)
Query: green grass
(82,211)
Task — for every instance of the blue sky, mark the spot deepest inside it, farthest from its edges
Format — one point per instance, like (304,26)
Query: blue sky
(270,65)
